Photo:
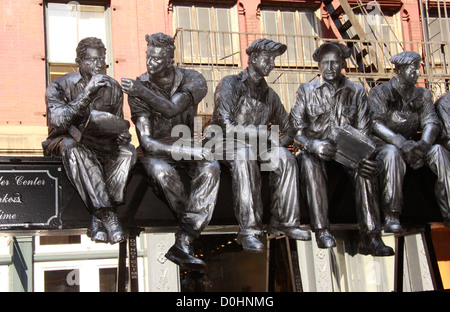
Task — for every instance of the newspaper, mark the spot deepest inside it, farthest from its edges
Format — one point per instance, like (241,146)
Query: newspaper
(352,146)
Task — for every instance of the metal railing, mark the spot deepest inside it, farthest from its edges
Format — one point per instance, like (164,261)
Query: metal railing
(217,54)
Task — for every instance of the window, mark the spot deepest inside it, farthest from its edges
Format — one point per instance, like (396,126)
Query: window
(285,83)
(229,267)
(438,28)
(384,29)
(297,29)
(205,35)
(108,279)
(66,25)
(55,240)
(61,281)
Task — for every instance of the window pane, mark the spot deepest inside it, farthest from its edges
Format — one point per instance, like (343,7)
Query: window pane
(58,70)
(184,20)
(57,240)
(67,24)
(61,33)
(62,281)
(292,27)
(108,279)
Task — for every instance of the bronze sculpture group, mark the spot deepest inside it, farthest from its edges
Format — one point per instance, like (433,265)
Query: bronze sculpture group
(87,129)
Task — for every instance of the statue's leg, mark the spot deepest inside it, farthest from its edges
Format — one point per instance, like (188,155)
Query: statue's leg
(368,214)
(391,185)
(87,175)
(438,159)
(248,208)
(118,169)
(202,200)
(313,181)
(285,204)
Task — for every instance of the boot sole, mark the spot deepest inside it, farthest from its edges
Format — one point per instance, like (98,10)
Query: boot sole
(366,252)
(190,266)
(302,237)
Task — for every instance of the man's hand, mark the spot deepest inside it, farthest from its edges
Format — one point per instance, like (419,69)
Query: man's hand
(414,153)
(97,81)
(131,87)
(369,168)
(323,149)
(124,138)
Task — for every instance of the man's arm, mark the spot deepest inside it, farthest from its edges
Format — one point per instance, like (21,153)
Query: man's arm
(65,113)
(169,108)
(157,148)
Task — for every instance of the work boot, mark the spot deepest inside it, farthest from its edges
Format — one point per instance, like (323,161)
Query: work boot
(325,239)
(181,252)
(96,231)
(372,244)
(392,222)
(111,223)
(291,232)
(250,243)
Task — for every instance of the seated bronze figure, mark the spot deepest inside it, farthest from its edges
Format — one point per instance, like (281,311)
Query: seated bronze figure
(244,103)
(400,111)
(160,99)
(86,128)
(321,106)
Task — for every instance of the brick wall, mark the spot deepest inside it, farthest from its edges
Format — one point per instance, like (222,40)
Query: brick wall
(22,82)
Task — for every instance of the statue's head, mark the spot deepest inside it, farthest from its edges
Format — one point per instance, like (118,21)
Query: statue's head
(407,66)
(331,57)
(160,53)
(262,53)
(91,57)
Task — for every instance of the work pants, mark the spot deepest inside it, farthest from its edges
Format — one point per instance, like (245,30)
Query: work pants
(246,186)
(313,177)
(394,169)
(100,179)
(193,212)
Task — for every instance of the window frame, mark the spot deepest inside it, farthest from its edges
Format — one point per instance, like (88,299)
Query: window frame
(108,44)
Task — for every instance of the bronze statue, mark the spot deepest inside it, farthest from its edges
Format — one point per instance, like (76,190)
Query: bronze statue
(87,129)
(321,106)
(245,104)
(442,106)
(400,111)
(160,99)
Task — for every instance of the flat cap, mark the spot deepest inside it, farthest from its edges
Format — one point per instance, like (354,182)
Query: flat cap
(406,58)
(342,49)
(260,45)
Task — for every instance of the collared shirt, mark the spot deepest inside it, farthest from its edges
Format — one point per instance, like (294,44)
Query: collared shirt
(185,80)
(64,96)
(320,107)
(239,101)
(404,116)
